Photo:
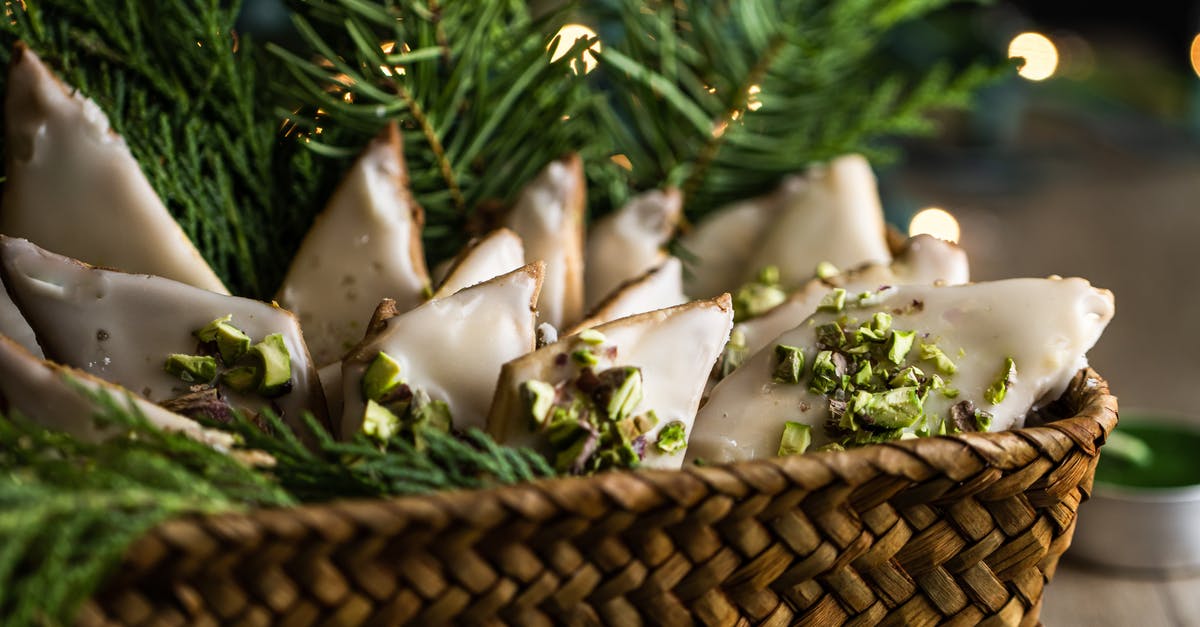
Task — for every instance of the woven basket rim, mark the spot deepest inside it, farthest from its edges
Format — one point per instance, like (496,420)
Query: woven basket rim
(1091,419)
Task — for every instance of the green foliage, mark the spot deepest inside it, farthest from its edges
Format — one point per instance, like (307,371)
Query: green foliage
(725,97)
(193,103)
(69,509)
(365,468)
(480,104)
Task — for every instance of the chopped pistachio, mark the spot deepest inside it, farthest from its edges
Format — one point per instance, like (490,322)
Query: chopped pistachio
(626,391)
(863,376)
(834,301)
(769,275)
(877,329)
(231,342)
(950,392)
(734,354)
(429,413)
(585,357)
(379,422)
(755,299)
(591,336)
(933,353)
(826,270)
(910,376)
(192,368)
(789,364)
(276,364)
(646,422)
(539,399)
(893,409)
(936,382)
(830,335)
(996,392)
(825,376)
(832,446)
(381,377)
(241,378)
(672,439)
(796,438)
(983,420)
(899,344)
(579,449)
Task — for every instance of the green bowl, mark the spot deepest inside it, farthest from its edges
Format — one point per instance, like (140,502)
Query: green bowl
(1144,513)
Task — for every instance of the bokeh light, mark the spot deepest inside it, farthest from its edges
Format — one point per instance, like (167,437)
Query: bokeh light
(935,221)
(567,36)
(1040,54)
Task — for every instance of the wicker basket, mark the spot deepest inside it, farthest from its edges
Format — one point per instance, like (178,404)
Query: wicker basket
(962,530)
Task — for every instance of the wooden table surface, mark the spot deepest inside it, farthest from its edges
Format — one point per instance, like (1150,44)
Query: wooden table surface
(1082,596)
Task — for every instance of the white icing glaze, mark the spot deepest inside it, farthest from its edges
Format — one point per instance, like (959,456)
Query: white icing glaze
(724,240)
(659,288)
(364,247)
(497,253)
(452,347)
(73,187)
(121,327)
(675,349)
(45,392)
(925,260)
(1045,325)
(627,243)
(14,326)
(549,218)
(837,219)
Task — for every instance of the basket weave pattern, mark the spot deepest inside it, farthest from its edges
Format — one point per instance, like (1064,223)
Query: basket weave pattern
(960,530)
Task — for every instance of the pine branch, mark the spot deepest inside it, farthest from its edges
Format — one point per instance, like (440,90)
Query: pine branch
(69,509)
(727,97)
(481,105)
(190,97)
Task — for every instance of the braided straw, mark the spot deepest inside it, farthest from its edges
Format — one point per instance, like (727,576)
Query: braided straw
(962,530)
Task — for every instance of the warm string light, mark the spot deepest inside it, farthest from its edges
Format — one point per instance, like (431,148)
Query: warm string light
(1040,54)
(937,222)
(1195,55)
(567,36)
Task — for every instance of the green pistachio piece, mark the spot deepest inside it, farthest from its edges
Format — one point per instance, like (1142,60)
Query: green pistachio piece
(826,270)
(789,364)
(825,375)
(933,353)
(907,377)
(863,376)
(672,439)
(734,354)
(769,275)
(834,301)
(832,446)
(936,382)
(379,422)
(381,377)
(591,336)
(755,299)
(796,438)
(241,378)
(192,368)
(950,392)
(539,399)
(877,329)
(830,335)
(645,422)
(430,414)
(996,392)
(585,357)
(231,342)
(626,394)
(893,409)
(899,344)
(983,420)
(275,362)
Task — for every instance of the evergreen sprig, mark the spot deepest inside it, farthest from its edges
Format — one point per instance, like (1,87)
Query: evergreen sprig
(481,104)
(723,98)
(69,509)
(191,99)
